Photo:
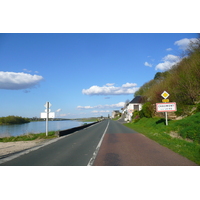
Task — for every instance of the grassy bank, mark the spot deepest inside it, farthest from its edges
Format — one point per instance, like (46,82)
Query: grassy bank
(180,136)
(91,119)
(28,137)
(116,118)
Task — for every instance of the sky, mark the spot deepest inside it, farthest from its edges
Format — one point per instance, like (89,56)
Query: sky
(81,74)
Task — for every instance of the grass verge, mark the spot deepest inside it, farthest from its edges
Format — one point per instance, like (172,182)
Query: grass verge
(29,137)
(116,118)
(155,129)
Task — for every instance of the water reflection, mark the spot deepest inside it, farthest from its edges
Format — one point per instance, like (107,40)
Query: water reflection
(36,127)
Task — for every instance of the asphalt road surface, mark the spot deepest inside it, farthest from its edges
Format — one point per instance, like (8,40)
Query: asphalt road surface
(107,143)
(75,149)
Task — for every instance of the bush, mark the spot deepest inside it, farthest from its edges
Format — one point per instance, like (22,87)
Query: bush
(147,110)
(136,116)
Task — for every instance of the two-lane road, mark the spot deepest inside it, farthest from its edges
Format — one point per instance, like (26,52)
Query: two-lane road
(75,149)
(107,143)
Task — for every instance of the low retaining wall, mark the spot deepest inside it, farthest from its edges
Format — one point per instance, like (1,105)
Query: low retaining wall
(72,130)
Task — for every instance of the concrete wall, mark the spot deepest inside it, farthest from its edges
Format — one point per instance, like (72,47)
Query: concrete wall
(72,130)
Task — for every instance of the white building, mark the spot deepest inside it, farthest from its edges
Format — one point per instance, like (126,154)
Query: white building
(135,104)
(115,113)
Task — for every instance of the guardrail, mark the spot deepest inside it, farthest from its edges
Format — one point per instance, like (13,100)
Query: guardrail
(72,130)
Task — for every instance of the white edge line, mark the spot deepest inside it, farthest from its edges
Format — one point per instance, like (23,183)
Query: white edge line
(97,148)
(25,151)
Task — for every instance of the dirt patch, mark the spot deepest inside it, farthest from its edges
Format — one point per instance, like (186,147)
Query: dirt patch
(12,147)
(176,135)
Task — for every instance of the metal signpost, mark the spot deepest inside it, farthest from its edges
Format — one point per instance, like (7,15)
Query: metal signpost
(47,106)
(47,111)
(47,114)
(165,95)
(166,106)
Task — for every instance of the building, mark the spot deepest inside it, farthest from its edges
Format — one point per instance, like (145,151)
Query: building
(135,104)
(115,113)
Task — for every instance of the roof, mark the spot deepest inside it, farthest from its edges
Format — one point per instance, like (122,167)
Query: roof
(137,99)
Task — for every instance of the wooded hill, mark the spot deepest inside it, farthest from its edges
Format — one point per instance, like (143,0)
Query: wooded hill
(182,82)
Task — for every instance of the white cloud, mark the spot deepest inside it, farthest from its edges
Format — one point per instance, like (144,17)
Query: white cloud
(128,85)
(148,64)
(184,43)
(100,111)
(64,115)
(110,89)
(17,81)
(110,84)
(169,49)
(117,105)
(84,107)
(26,70)
(169,61)
(58,110)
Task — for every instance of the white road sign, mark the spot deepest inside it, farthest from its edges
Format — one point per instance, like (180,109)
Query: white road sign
(44,115)
(166,107)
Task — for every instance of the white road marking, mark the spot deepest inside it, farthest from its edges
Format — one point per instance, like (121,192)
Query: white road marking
(25,151)
(98,147)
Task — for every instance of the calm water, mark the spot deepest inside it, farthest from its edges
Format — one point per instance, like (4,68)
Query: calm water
(37,127)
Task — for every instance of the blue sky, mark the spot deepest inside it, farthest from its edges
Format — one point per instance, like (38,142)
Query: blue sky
(80,74)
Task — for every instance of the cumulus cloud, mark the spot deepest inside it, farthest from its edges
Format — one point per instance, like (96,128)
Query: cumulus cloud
(117,105)
(148,64)
(169,61)
(58,110)
(184,43)
(17,81)
(110,89)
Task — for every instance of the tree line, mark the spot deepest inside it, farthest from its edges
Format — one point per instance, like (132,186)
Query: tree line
(13,120)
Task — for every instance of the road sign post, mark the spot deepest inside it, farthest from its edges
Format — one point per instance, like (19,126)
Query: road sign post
(47,104)
(165,95)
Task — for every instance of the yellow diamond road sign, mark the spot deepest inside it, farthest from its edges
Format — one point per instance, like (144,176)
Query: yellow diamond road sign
(164,94)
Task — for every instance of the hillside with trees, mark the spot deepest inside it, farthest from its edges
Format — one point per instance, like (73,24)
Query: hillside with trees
(182,82)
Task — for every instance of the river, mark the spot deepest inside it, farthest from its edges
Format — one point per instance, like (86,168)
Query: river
(37,127)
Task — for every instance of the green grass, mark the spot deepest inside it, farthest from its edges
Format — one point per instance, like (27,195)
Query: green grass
(91,119)
(155,129)
(116,118)
(28,137)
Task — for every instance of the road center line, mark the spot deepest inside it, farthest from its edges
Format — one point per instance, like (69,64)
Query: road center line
(98,147)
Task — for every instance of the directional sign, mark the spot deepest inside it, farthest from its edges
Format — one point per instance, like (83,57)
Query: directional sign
(44,115)
(165,94)
(166,107)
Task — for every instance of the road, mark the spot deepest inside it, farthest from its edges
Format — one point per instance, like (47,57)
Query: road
(107,143)
(75,149)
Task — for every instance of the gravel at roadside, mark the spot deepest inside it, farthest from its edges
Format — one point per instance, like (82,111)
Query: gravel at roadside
(8,148)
